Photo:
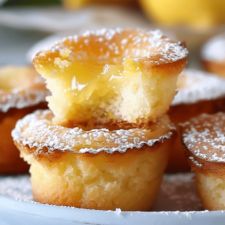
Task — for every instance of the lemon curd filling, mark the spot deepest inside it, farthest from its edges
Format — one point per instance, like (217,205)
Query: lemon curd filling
(107,91)
(87,88)
(100,78)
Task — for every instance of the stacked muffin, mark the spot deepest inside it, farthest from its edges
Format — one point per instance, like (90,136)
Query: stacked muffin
(104,143)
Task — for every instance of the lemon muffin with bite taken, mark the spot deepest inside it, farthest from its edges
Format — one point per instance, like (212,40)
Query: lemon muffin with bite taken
(104,143)
(118,76)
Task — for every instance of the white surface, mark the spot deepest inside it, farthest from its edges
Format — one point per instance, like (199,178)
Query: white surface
(25,213)
(199,86)
(57,19)
(177,191)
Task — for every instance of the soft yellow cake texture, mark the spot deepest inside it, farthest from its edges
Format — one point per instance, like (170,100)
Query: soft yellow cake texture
(100,181)
(111,76)
(211,189)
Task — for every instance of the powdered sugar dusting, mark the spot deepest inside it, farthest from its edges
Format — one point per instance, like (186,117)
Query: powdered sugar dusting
(178,193)
(37,131)
(118,211)
(117,44)
(21,99)
(16,187)
(195,85)
(195,162)
(204,136)
(214,49)
(20,87)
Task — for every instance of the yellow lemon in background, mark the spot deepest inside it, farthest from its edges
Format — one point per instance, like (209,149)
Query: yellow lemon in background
(195,13)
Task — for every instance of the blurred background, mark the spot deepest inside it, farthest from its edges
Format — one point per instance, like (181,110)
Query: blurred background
(27,26)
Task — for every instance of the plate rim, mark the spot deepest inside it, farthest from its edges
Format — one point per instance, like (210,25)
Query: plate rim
(82,215)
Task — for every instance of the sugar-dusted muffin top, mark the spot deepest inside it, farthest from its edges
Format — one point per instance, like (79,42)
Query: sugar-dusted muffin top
(204,137)
(113,45)
(214,49)
(196,85)
(121,75)
(20,86)
(38,132)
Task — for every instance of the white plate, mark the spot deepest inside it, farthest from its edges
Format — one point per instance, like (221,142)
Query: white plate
(17,212)
(17,207)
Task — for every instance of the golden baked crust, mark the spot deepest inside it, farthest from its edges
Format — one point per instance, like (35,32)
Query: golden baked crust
(111,76)
(203,137)
(116,45)
(21,92)
(43,138)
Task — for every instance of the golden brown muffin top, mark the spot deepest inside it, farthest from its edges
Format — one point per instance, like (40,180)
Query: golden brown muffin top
(41,135)
(214,49)
(111,46)
(204,137)
(20,87)
(196,85)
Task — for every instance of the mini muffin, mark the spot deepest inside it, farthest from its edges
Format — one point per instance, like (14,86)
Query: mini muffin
(213,55)
(198,92)
(204,139)
(94,168)
(105,142)
(111,76)
(21,92)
